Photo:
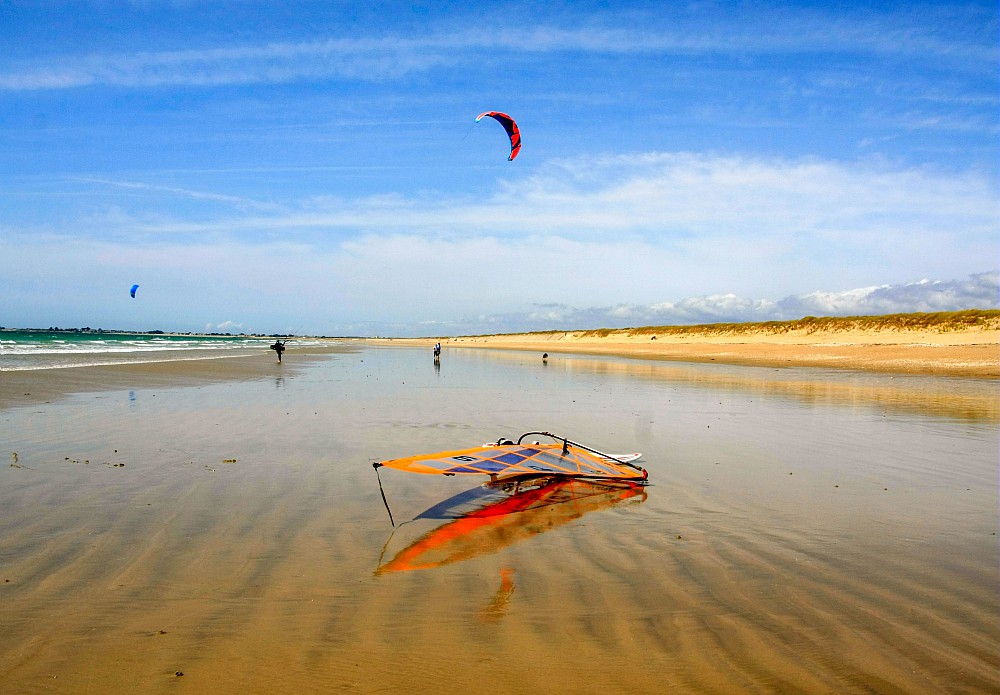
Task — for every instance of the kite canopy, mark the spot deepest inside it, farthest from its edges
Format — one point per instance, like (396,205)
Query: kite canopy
(132,291)
(510,126)
(563,459)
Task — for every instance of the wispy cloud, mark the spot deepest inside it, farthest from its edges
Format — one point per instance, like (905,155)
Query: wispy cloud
(248,64)
(237,201)
(389,56)
(680,196)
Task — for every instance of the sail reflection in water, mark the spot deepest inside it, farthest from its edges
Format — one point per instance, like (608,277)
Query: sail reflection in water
(496,515)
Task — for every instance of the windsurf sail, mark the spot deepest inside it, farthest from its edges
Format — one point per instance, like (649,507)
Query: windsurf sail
(507,461)
(565,458)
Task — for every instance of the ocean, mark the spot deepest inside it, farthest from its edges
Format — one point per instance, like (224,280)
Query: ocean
(36,349)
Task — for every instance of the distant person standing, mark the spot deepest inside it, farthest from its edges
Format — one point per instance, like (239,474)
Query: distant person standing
(279,347)
(437,351)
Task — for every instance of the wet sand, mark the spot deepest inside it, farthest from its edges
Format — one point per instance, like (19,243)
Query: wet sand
(969,351)
(177,369)
(222,531)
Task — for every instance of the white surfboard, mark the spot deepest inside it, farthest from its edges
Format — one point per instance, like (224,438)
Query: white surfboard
(622,458)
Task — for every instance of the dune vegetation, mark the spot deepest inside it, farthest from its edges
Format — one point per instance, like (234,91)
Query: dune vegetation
(941,321)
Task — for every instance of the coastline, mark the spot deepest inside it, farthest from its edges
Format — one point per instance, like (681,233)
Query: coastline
(970,351)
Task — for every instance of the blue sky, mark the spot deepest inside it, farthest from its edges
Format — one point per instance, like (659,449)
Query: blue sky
(315,167)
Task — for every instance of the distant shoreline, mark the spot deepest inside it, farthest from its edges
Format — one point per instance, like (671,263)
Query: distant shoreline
(961,343)
(965,344)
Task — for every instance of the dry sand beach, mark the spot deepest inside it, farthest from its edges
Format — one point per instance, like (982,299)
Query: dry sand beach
(954,344)
(216,526)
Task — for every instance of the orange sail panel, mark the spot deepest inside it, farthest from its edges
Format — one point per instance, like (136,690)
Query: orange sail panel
(517,459)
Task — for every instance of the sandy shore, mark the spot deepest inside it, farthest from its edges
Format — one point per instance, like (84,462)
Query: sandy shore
(221,530)
(967,352)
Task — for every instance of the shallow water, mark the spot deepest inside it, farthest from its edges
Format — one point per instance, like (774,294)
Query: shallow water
(804,531)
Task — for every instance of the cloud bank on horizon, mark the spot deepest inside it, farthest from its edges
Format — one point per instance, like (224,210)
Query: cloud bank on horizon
(318,171)
(978,291)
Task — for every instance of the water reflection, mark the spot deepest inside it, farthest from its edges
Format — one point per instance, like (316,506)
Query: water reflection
(497,607)
(974,400)
(491,517)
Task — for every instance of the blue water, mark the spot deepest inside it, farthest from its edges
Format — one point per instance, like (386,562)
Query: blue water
(32,349)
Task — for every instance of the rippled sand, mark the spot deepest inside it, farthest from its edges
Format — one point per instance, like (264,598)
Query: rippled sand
(804,531)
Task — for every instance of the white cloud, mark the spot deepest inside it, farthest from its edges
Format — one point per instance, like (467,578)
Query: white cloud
(728,235)
(224,327)
(978,291)
(642,226)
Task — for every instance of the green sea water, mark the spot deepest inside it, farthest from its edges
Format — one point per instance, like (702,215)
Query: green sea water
(48,349)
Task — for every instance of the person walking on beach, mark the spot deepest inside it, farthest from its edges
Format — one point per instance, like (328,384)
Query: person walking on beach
(437,351)
(279,347)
